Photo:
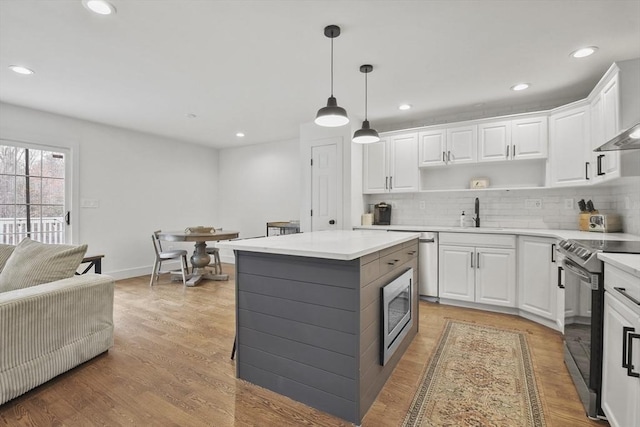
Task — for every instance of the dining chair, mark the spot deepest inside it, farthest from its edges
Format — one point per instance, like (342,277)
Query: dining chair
(211,250)
(162,255)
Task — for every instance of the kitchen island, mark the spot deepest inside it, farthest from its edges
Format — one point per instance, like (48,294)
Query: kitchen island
(308,314)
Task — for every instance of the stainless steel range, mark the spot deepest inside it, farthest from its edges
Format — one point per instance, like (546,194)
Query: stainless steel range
(584,307)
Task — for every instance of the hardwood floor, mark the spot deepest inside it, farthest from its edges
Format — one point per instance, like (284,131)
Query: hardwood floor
(170,365)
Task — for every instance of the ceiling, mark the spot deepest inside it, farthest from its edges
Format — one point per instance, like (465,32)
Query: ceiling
(263,67)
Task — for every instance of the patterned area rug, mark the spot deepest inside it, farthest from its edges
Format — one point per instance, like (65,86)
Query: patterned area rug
(479,376)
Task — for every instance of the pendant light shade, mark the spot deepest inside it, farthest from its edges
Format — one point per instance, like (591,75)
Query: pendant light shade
(365,135)
(332,115)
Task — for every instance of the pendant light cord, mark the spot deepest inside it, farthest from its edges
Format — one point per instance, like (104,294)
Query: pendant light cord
(332,67)
(365,95)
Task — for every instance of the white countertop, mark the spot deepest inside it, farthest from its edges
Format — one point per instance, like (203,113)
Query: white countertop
(335,244)
(540,232)
(625,262)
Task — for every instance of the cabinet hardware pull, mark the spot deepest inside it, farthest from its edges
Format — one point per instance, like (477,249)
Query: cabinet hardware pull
(600,173)
(444,156)
(623,291)
(390,183)
(478,260)
(386,182)
(625,354)
(471,259)
(507,151)
(586,171)
(513,152)
(393,262)
(630,366)
(411,252)
(553,249)
(448,156)
(560,284)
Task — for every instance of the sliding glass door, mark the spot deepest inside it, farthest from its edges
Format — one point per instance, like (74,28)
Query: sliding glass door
(33,194)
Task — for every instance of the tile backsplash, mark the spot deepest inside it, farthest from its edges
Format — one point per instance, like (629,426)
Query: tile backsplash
(507,208)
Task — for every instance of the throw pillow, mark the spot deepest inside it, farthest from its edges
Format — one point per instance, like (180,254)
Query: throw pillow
(33,263)
(5,253)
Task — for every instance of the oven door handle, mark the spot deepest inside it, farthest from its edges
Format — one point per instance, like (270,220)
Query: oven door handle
(623,291)
(572,267)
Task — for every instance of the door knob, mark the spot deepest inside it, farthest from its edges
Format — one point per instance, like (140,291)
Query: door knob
(332,221)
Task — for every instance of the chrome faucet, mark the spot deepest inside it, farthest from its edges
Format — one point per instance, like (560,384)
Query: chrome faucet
(476,219)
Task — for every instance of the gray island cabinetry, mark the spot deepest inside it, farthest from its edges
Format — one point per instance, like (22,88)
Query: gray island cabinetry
(309,314)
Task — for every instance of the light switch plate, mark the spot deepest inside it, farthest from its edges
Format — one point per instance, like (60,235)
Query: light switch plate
(533,204)
(568,203)
(89,203)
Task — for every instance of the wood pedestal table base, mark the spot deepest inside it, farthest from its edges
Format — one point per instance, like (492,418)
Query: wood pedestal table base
(200,258)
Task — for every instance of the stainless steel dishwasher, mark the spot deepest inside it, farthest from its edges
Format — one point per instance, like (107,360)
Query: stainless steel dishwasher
(427,262)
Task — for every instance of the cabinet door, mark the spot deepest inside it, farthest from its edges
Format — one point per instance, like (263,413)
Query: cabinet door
(570,156)
(462,144)
(537,276)
(403,164)
(494,141)
(609,165)
(375,178)
(529,138)
(620,392)
(432,147)
(456,273)
(496,276)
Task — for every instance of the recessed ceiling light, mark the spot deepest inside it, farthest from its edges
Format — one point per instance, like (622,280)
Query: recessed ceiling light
(21,70)
(404,107)
(100,7)
(191,115)
(584,52)
(239,134)
(520,86)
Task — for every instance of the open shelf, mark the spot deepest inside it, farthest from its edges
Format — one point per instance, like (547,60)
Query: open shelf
(508,175)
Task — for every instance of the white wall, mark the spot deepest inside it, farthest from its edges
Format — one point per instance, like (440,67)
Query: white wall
(143,183)
(258,184)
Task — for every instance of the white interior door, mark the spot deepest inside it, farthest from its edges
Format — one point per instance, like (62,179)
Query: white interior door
(324,188)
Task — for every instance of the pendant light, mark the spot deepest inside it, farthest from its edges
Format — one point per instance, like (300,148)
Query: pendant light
(365,135)
(332,115)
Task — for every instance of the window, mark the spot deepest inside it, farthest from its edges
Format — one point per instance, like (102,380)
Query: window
(32,194)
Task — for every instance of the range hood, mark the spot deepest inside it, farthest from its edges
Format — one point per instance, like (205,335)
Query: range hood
(627,140)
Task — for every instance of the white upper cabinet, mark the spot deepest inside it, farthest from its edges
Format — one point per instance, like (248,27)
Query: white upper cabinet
(447,146)
(462,144)
(523,138)
(403,167)
(494,141)
(569,146)
(375,179)
(605,124)
(432,147)
(529,138)
(391,164)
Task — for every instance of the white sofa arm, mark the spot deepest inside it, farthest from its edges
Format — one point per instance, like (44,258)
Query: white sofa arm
(50,328)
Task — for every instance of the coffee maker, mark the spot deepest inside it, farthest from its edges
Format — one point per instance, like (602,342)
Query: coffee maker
(382,214)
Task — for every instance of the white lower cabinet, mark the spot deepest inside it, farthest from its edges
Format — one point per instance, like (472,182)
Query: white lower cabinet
(472,270)
(538,276)
(620,388)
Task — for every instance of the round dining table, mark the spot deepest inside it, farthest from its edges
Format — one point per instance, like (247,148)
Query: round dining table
(200,258)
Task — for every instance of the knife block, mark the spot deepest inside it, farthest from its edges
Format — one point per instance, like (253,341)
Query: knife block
(583,221)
